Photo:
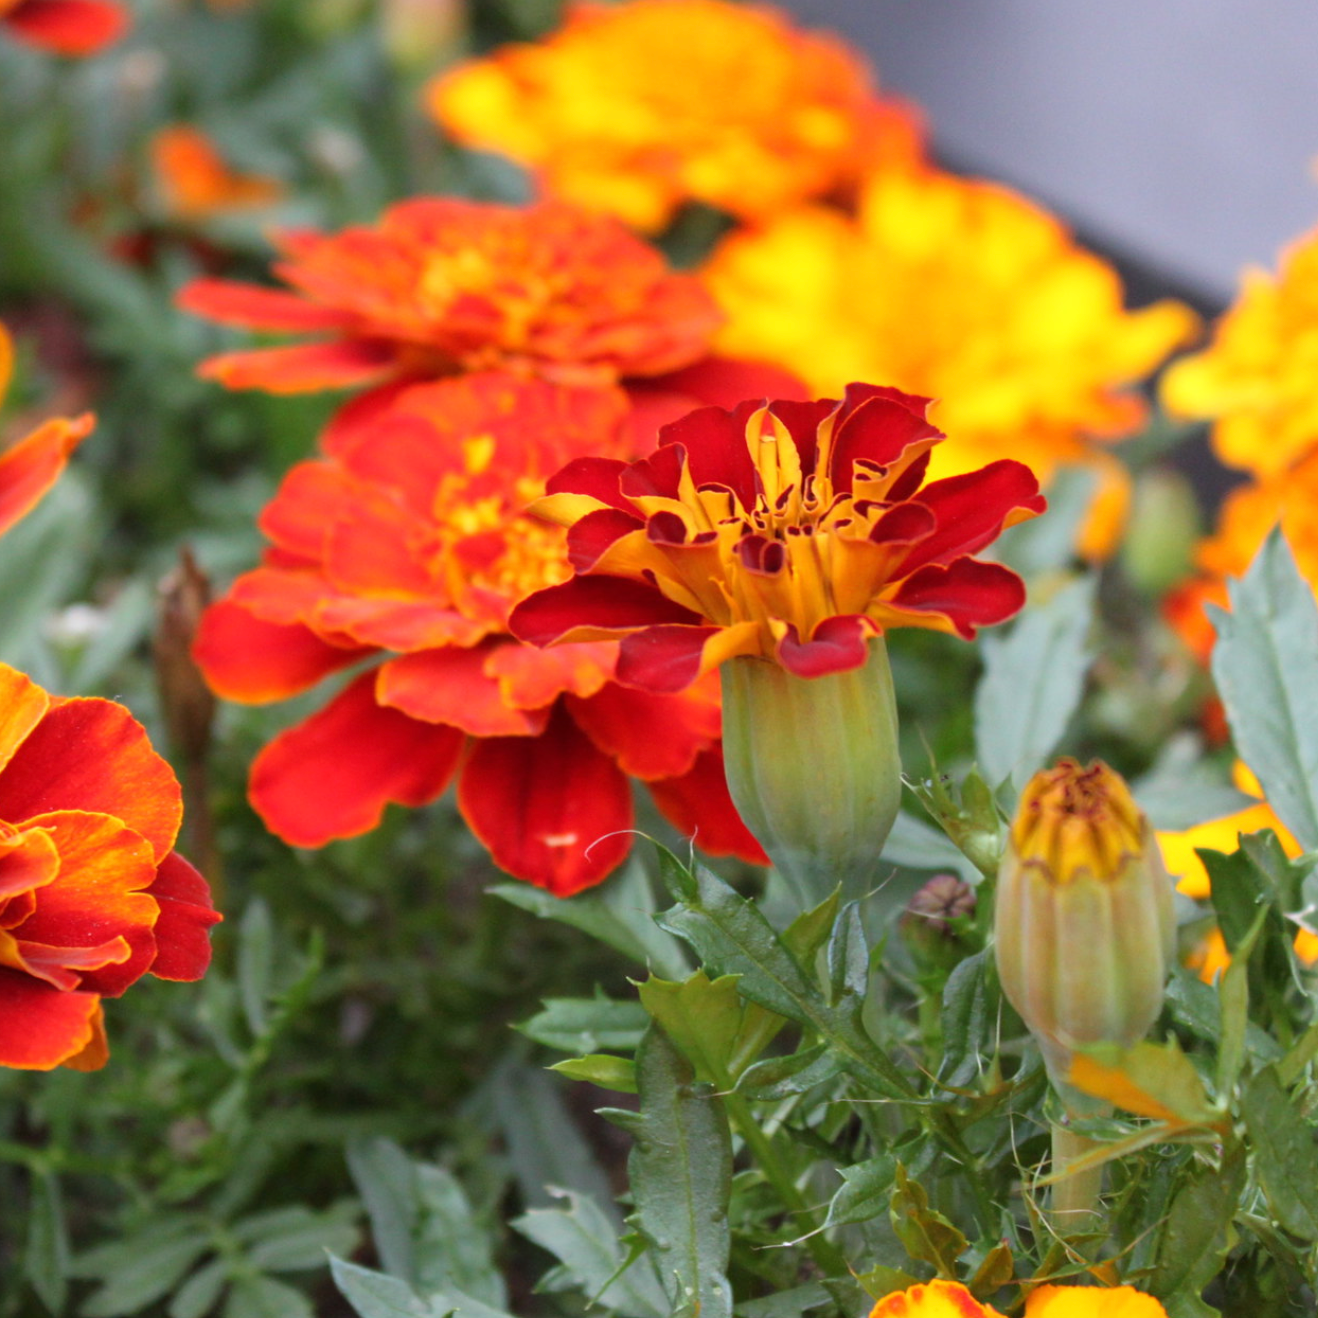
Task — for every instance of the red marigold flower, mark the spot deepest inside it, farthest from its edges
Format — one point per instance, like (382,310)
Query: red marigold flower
(442,286)
(793,532)
(66,27)
(92,894)
(30,467)
(408,542)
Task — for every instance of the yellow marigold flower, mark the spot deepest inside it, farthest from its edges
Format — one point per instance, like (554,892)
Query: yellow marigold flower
(1255,380)
(958,289)
(631,110)
(1092,1302)
(1083,919)
(934,1299)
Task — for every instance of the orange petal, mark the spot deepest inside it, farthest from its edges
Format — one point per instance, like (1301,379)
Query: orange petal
(23,704)
(97,1052)
(40,1027)
(68,27)
(451,686)
(304,368)
(651,736)
(34,464)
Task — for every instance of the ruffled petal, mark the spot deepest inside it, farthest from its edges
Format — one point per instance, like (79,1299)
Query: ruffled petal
(332,775)
(530,677)
(838,645)
(551,809)
(967,593)
(670,658)
(649,735)
(452,686)
(40,1026)
(592,609)
(183,945)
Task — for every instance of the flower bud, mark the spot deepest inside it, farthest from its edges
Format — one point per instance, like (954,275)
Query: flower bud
(813,767)
(934,925)
(1083,923)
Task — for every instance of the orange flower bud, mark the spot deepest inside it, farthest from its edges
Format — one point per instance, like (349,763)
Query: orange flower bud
(1084,925)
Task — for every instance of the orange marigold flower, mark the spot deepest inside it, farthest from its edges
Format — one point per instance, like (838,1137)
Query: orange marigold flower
(30,467)
(631,110)
(195,182)
(408,542)
(1255,380)
(65,27)
(933,1299)
(957,289)
(92,894)
(949,1299)
(441,286)
(790,531)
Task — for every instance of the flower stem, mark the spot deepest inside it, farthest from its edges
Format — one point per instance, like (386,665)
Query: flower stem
(1074,1207)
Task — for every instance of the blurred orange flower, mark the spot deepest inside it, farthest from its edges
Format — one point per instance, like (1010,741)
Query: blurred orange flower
(631,110)
(194,181)
(92,894)
(408,544)
(960,290)
(1255,380)
(31,466)
(65,27)
(441,285)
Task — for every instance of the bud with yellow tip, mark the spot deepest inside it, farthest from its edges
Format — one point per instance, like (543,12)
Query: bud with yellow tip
(1083,922)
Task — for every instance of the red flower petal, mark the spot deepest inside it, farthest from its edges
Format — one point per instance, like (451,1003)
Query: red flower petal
(699,807)
(530,678)
(650,736)
(664,658)
(183,945)
(716,454)
(249,305)
(551,809)
(93,755)
(452,686)
(596,607)
(970,594)
(595,532)
(838,645)
(247,659)
(68,27)
(878,431)
(597,477)
(33,465)
(333,775)
(304,367)
(40,1026)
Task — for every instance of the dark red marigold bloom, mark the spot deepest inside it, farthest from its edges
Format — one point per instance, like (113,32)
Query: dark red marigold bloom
(792,532)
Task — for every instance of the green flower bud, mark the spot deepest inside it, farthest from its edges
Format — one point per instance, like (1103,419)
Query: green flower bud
(813,767)
(1083,924)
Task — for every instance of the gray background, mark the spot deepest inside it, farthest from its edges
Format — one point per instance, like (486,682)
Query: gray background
(1181,132)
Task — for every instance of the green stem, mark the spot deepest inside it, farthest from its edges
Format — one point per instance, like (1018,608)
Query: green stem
(1074,1206)
(827,1255)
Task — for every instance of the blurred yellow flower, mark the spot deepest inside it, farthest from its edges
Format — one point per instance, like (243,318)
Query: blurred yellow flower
(1255,381)
(633,109)
(961,290)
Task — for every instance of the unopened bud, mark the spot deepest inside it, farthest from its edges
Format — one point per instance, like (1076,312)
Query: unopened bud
(933,926)
(1083,923)
(813,768)
(186,700)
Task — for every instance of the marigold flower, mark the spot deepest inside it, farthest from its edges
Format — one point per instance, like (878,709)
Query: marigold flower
(1255,380)
(949,1299)
(793,532)
(1083,920)
(408,543)
(960,290)
(442,285)
(631,110)
(65,27)
(30,467)
(92,895)
(933,1299)
(195,182)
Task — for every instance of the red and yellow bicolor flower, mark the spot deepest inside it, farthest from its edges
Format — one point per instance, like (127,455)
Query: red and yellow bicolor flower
(406,547)
(792,532)
(65,27)
(31,466)
(950,1299)
(92,894)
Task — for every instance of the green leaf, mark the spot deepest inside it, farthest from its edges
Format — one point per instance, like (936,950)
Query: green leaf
(806,936)
(1292,1066)
(780,1077)
(1285,1157)
(786,1304)
(1196,1235)
(848,956)
(681,1175)
(619,913)
(592,1259)
(1151,1079)
(865,1193)
(969,1017)
(140,1270)
(373,1295)
(1033,679)
(928,1236)
(1233,991)
(256,960)
(916,845)
(881,1281)
(385,1178)
(46,1260)
(702,1019)
(602,1069)
(1183,790)
(199,1294)
(1265,665)
(264,1297)
(995,1270)
(296,1239)
(587,1025)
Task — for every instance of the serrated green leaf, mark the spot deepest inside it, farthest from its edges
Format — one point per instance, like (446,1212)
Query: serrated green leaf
(452,1247)
(587,1025)
(848,955)
(46,1258)
(808,933)
(681,1175)
(1196,1234)
(968,1018)
(1265,665)
(780,1077)
(865,1193)
(928,1236)
(1034,676)
(616,1073)
(1233,992)
(585,1241)
(1285,1156)
(702,1019)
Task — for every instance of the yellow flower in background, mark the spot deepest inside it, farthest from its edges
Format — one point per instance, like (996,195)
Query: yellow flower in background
(631,110)
(961,290)
(949,1299)
(1255,381)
